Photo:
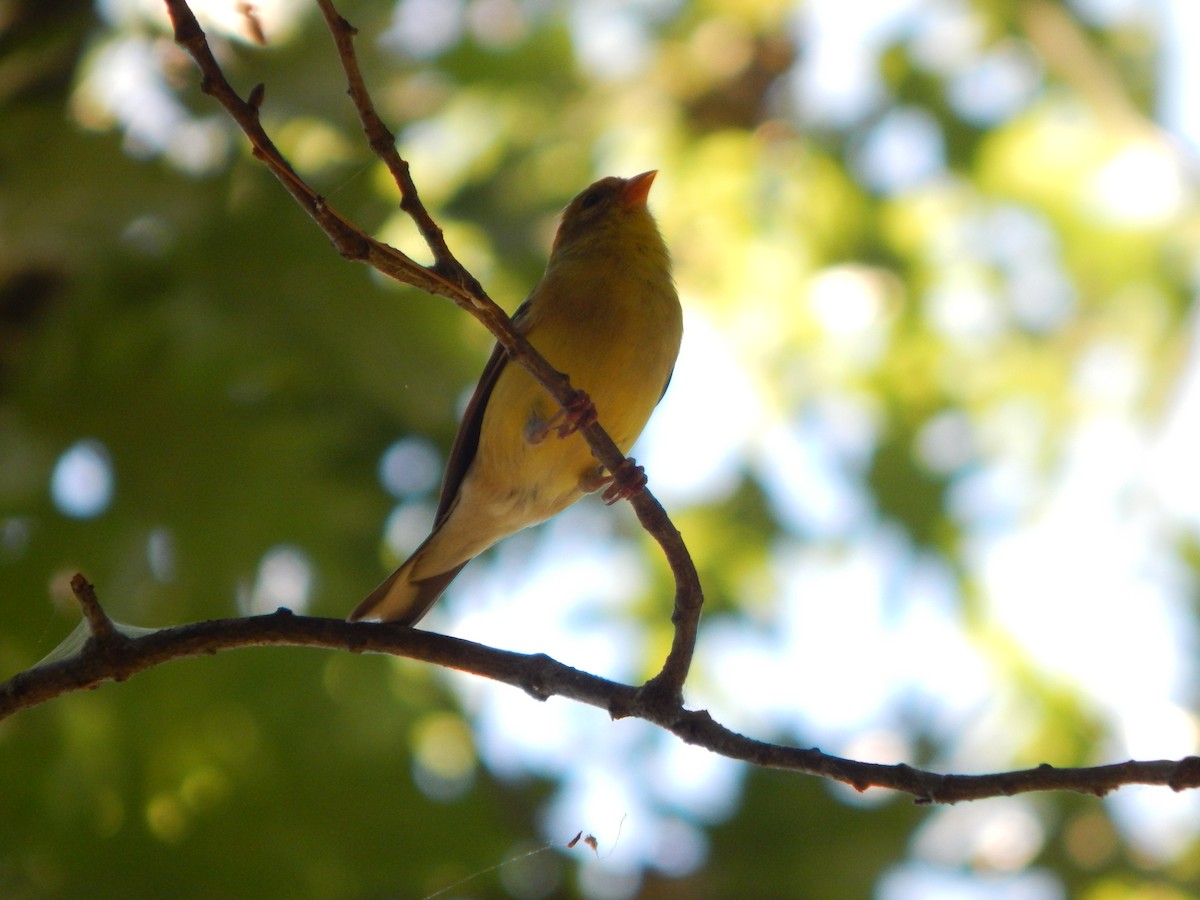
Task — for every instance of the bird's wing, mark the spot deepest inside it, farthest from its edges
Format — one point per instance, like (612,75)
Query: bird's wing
(466,442)
(666,385)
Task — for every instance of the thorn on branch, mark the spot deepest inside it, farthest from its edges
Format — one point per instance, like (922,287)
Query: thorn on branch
(101,625)
(256,96)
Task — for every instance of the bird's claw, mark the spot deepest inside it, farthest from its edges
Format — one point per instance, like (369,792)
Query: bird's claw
(627,480)
(580,412)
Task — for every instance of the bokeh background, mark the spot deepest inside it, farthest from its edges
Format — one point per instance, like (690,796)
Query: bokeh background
(932,440)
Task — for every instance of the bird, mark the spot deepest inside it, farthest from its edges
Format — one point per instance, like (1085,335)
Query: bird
(606,313)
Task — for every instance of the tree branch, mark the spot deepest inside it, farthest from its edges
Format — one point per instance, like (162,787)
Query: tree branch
(446,278)
(110,656)
(383,144)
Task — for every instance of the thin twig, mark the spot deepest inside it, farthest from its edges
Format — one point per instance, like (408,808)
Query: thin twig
(349,241)
(543,677)
(101,625)
(383,144)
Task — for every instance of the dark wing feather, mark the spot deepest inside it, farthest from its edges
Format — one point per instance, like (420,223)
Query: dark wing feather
(665,386)
(466,442)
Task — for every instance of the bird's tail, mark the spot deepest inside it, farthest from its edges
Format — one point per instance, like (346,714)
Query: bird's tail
(401,599)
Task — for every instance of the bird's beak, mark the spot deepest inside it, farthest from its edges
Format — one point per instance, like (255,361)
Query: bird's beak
(637,189)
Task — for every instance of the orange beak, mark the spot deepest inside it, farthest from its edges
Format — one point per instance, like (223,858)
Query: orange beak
(637,189)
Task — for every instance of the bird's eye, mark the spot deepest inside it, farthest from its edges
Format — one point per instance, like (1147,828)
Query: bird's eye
(590,200)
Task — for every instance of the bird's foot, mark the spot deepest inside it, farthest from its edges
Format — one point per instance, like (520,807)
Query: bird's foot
(579,413)
(627,480)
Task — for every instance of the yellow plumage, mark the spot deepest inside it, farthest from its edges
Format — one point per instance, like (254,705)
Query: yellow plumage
(606,313)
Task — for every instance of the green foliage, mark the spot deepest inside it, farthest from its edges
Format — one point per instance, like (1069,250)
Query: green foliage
(921,320)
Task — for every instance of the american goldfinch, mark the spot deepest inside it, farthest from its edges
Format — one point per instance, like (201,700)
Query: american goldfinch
(606,313)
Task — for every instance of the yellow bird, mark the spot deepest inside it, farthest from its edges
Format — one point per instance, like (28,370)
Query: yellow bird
(606,313)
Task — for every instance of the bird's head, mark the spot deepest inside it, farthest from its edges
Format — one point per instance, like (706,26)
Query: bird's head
(610,211)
